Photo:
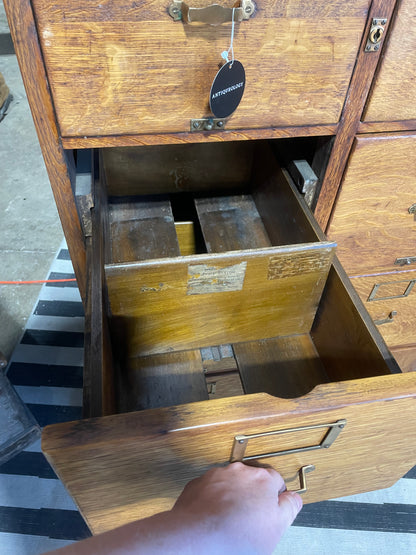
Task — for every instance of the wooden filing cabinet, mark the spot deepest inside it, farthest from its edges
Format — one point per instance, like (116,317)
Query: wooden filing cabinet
(190,236)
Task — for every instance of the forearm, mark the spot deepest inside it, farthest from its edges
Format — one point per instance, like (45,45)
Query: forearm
(168,532)
(233,509)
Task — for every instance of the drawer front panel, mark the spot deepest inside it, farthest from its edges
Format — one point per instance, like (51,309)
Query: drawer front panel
(394,92)
(374,220)
(128,70)
(145,459)
(391,301)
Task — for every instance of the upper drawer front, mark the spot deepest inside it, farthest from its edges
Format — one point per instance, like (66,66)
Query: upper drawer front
(395,87)
(374,220)
(127,68)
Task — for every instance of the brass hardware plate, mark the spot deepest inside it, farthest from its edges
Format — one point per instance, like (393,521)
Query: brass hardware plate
(211,15)
(241,441)
(302,478)
(406,293)
(207,124)
(375,34)
(405,261)
(388,320)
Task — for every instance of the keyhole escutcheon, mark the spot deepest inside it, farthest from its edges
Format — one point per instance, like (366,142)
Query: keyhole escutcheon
(376,33)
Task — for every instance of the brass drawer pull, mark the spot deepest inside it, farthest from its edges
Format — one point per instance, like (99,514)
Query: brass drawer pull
(387,320)
(241,441)
(211,15)
(405,261)
(406,292)
(302,478)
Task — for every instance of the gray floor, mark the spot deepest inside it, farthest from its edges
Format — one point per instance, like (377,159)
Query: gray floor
(30,230)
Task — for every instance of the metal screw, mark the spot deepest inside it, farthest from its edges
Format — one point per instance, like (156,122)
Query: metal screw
(220,123)
(209,126)
(241,441)
(248,9)
(367,48)
(341,426)
(175,10)
(376,47)
(383,21)
(195,125)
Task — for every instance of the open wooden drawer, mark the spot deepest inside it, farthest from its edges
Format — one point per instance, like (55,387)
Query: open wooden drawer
(324,400)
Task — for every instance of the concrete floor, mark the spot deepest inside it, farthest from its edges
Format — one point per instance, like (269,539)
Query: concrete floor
(30,230)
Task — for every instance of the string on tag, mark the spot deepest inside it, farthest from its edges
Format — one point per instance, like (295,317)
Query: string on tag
(226,53)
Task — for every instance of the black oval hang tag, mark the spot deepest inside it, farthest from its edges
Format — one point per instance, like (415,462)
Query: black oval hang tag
(227,89)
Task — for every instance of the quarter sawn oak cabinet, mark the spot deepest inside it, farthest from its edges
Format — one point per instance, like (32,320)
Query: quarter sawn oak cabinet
(220,325)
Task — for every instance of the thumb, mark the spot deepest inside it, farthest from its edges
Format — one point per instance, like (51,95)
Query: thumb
(290,504)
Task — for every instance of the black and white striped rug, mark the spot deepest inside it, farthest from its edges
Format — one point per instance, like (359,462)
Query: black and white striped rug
(36,513)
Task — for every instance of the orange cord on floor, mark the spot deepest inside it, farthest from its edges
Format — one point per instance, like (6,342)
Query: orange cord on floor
(36,281)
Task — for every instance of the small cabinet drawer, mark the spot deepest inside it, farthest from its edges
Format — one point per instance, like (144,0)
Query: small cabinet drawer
(125,68)
(391,301)
(307,384)
(374,220)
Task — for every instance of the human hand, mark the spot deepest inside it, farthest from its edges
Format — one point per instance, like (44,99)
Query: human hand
(244,509)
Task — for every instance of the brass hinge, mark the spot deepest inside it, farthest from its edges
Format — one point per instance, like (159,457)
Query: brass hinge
(208,124)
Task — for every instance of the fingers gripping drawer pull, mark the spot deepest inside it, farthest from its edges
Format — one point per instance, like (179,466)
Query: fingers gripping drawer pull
(241,442)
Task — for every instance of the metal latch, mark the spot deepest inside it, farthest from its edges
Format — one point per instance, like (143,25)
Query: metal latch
(305,179)
(375,34)
(207,124)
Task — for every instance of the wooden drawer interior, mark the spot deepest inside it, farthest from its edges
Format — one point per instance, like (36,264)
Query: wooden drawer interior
(226,289)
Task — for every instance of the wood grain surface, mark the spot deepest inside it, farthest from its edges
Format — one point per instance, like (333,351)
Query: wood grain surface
(58,162)
(225,297)
(386,126)
(344,335)
(177,168)
(224,385)
(141,229)
(398,329)
(360,84)
(185,232)
(161,381)
(99,394)
(205,300)
(225,136)
(406,358)
(371,223)
(231,222)
(394,90)
(284,366)
(137,71)
(130,466)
